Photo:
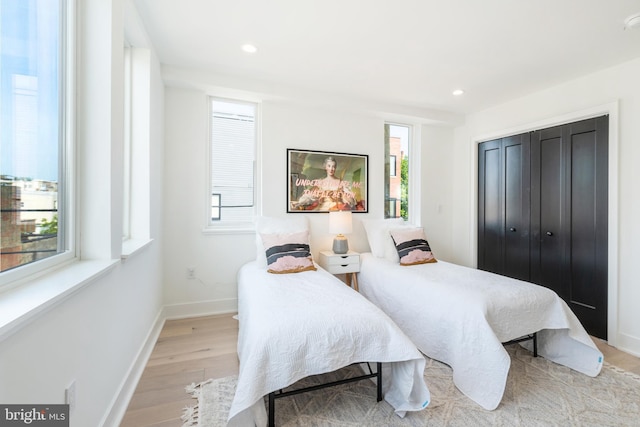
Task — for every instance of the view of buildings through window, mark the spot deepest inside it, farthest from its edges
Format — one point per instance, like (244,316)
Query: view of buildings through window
(30,129)
(396,178)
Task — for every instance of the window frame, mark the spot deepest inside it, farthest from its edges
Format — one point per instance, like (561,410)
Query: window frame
(127,136)
(67,159)
(136,203)
(220,226)
(414,157)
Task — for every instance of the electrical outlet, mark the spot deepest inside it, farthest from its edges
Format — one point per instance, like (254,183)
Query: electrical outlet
(191,272)
(70,396)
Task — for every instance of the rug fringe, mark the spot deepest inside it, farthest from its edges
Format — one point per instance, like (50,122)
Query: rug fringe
(622,371)
(190,414)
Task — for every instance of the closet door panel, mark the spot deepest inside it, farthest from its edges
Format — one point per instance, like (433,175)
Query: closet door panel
(551,204)
(490,222)
(516,206)
(583,219)
(588,263)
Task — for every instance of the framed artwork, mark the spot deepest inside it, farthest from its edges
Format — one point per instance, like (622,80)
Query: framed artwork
(320,181)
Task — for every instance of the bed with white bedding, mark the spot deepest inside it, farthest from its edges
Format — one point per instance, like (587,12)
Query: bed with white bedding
(461,316)
(296,325)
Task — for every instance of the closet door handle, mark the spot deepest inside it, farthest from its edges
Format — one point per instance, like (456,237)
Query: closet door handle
(512,229)
(549,233)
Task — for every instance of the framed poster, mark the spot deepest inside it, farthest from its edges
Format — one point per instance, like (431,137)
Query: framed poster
(320,181)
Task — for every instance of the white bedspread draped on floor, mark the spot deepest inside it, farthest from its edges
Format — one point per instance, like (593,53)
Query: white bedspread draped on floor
(460,316)
(296,325)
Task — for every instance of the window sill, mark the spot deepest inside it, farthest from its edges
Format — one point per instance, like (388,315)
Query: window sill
(250,229)
(25,303)
(130,247)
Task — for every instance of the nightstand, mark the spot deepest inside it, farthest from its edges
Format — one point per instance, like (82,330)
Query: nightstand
(347,264)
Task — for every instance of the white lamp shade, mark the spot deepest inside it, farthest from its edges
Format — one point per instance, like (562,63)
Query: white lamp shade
(340,222)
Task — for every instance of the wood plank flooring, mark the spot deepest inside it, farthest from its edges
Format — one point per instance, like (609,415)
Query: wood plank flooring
(187,351)
(193,350)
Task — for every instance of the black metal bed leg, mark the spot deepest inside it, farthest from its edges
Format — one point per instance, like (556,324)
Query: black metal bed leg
(379,380)
(535,344)
(272,410)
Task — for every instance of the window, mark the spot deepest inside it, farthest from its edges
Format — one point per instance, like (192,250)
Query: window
(34,144)
(396,187)
(232,192)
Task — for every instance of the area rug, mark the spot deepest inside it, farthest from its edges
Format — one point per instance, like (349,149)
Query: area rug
(538,393)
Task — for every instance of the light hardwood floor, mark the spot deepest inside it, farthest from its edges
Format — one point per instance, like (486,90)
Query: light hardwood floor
(193,350)
(187,351)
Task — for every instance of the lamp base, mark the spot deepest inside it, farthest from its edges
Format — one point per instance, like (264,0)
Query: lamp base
(340,245)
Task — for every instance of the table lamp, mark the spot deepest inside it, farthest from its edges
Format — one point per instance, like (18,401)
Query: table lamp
(340,224)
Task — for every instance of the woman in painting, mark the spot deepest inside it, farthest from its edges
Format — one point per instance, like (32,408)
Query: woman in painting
(329,193)
(330,182)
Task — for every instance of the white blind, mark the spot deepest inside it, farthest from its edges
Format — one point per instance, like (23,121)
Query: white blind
(233,145)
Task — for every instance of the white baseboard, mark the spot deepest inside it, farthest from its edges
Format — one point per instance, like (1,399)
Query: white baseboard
(120,402)
(204,308)
(628,344)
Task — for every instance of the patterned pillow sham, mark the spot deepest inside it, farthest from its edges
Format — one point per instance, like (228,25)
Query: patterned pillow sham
(412,246)
(274,225)
(288,253)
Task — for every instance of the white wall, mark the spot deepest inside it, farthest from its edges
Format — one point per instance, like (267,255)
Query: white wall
(95,336)
(592,93)
(436,190)
(286,123)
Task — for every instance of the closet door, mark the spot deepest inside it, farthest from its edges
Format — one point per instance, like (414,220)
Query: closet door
(516,154)
(549,222)
(490,212)
(569,217)
(503,206)
(588,207)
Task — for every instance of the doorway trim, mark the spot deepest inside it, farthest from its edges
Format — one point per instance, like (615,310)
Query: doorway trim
(613,231)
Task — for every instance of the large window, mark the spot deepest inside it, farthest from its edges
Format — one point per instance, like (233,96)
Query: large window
(33,142)
(396,158)
(232,194)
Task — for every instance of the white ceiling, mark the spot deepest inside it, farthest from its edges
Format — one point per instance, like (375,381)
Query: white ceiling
(403,52)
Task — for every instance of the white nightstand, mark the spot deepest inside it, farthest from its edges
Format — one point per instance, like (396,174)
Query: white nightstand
(347,264)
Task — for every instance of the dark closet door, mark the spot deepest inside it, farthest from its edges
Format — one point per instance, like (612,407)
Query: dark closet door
(503,206)
(516,206)
(490,213)
(549,221)
(569,221)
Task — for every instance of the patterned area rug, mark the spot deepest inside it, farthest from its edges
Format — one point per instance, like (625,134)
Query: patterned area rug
(538,393)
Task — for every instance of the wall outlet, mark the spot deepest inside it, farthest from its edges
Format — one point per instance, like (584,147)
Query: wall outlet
(191,272)
(70,396)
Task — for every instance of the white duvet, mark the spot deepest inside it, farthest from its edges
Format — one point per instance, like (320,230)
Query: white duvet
(460,316)
(296,325)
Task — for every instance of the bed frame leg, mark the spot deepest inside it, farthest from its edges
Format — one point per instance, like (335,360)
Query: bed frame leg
(535,344)
(379,380)
(272,410)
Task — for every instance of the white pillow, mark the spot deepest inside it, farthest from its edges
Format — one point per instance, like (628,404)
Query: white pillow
(271,225)
(380,240)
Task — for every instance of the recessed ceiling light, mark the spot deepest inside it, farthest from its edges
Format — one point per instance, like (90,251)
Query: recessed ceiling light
(249,48)
(632,22)
(457,92)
